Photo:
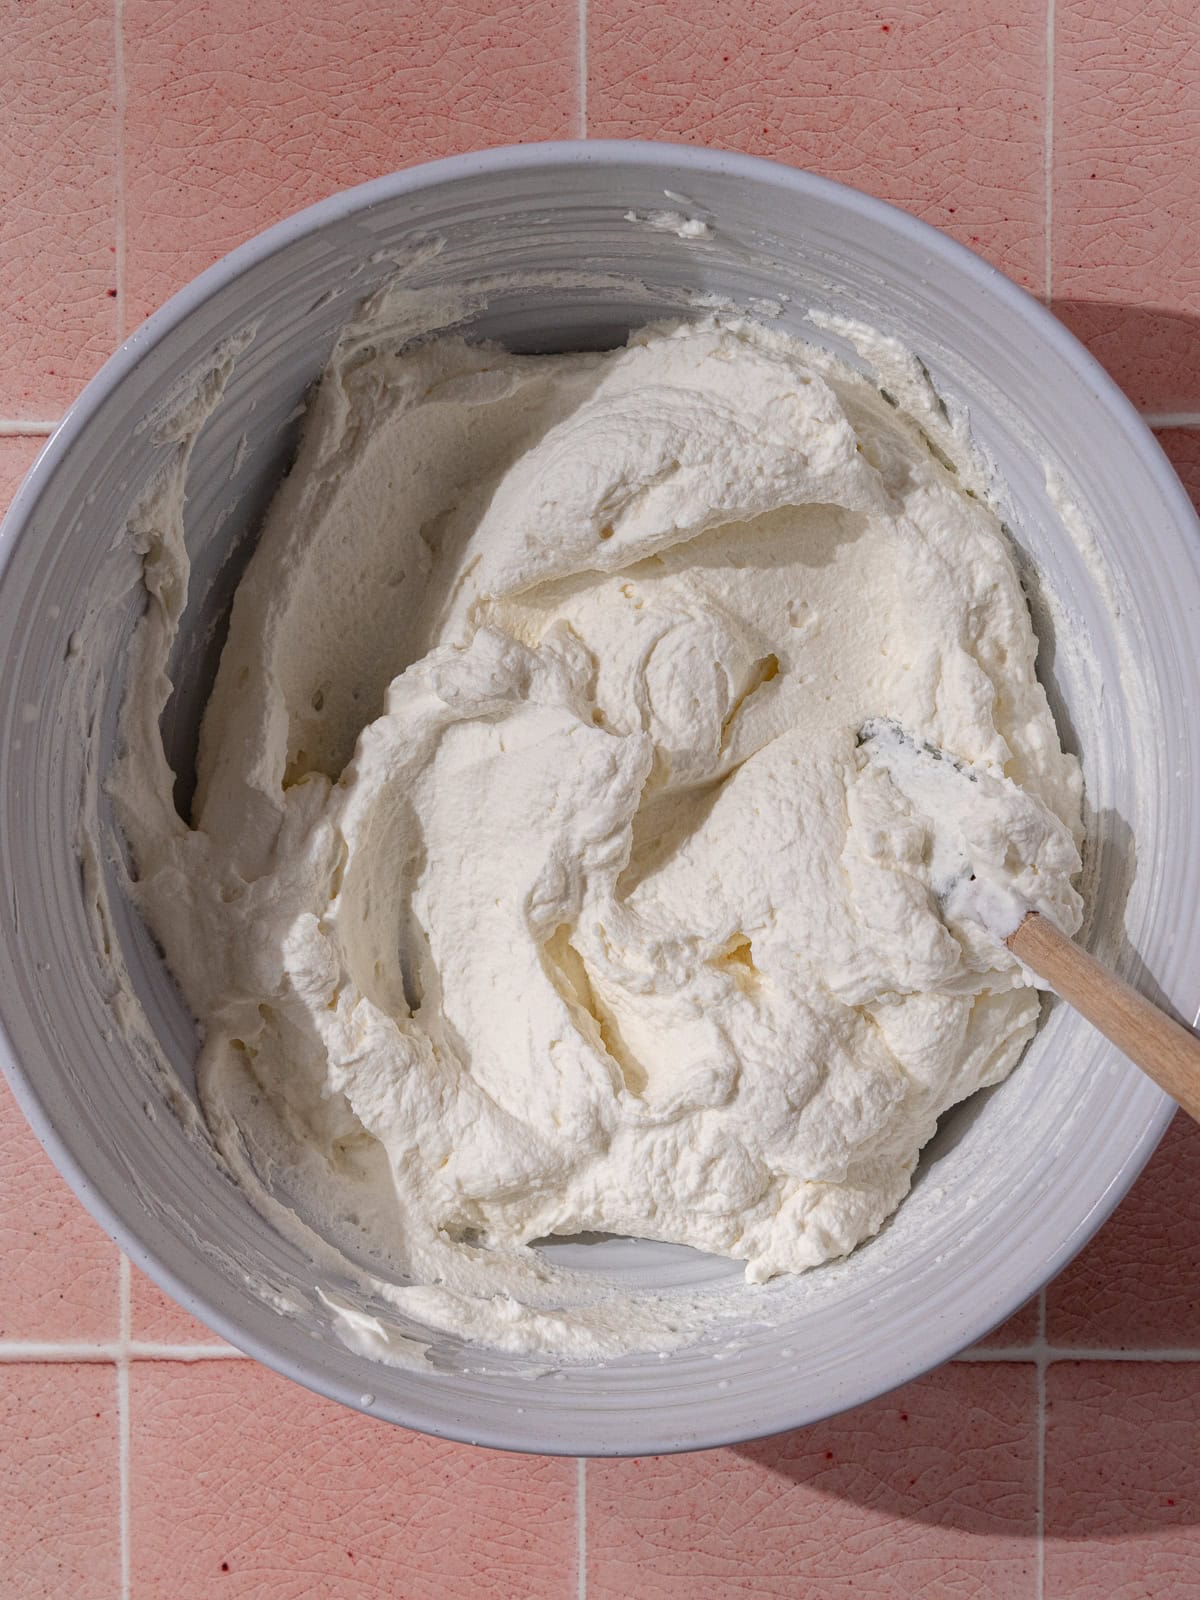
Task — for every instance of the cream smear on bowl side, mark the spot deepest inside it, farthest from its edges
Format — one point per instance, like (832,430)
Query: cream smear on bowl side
(536,883)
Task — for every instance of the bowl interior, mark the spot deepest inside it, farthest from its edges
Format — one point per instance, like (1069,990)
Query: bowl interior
(1015,1180)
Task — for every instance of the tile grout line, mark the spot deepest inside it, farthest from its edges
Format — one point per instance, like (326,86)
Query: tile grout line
(126,1349)
(1047,158)
(1171,419)
(18,1350)
(581,67)
(120,94)
(163,1350)
(581,1528)
(1040,1455)
(124,1341)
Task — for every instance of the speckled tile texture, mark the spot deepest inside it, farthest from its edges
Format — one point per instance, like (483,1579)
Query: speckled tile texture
(244,1485)
(59,133)
(60,1530)
(931,1490)
(1126,238)
(939,108)
(1122,1480)
(141,139)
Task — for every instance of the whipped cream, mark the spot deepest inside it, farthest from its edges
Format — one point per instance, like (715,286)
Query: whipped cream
(536,881)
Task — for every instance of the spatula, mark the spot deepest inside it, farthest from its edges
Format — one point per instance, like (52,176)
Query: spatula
(1164,1049)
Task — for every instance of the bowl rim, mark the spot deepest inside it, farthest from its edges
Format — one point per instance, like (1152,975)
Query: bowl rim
(566,155)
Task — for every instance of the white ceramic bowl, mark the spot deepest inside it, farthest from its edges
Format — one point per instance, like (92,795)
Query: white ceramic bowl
(1017,1179)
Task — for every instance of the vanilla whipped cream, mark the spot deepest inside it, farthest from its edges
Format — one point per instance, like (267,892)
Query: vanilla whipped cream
(536,881)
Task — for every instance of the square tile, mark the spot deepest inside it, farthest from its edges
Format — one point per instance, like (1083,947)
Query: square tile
(59,1491)
(1126,198)
(237,118)
(937,108)
(1136,1286)
(244,1484)
(1018,1333)
(1182,446)
(158,1319)
(930,1491)
(16,457)
(60,1270)
(1122,1480)
(58,140)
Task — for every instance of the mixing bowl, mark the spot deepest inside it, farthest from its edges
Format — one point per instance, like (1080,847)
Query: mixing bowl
(1016,1179)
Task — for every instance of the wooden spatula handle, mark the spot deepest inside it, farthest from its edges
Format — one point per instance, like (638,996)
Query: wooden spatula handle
(1166,1051)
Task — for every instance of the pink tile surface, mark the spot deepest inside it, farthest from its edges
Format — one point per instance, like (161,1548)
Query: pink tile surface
(237,118)
(1018,1332)
(937,108)
(58,1482)
(1127,202)
(1183,447)
(1137,1285)
(57,199)
(234,116)
(1122,1481)
(245,1485)
(59,1278)
(928,1492)
(156,1317)
(16,458)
